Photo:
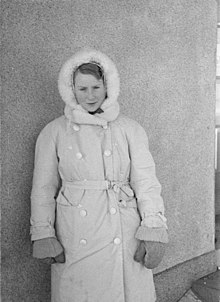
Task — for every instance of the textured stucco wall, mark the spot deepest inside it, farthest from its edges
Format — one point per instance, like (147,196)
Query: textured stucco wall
(165,53)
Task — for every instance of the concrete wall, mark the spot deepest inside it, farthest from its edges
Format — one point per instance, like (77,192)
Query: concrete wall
(165,53)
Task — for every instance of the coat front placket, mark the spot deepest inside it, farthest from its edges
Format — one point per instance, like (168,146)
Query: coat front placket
(112,193)
(98,140)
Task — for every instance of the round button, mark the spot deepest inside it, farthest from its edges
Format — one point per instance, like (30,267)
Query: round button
(117,241)
(113,211)
(105,127)
(76,127)
(79,155)
(70,147)
(83,213)
(83,242)
(107,152)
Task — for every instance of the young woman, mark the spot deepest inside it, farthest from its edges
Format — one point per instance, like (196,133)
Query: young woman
(97,213)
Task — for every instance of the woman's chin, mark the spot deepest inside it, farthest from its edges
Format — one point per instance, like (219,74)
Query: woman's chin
(91,108)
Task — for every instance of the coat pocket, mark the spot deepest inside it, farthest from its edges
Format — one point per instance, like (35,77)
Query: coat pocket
(127,198)
(69,225)
(70,197)
(128,207)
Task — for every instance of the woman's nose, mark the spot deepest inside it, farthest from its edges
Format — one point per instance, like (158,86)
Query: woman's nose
(90,94)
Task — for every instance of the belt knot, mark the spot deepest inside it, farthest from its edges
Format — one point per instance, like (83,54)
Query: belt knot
(113,185)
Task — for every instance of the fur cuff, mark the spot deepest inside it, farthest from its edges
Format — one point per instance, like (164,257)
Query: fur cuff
(47,247)
(152,234)
(38,233)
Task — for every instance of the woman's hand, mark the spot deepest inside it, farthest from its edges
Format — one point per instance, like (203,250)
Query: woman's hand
(150,253)
(51,260)
(48,251)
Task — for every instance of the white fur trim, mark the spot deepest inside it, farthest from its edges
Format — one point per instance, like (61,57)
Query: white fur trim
(81,116)
(65,80)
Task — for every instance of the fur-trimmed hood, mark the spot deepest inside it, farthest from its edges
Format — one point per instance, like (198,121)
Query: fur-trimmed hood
(73,111)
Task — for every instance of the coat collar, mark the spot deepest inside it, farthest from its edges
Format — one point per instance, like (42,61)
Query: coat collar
(73,111)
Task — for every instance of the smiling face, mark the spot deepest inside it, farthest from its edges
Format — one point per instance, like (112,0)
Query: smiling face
(89,91)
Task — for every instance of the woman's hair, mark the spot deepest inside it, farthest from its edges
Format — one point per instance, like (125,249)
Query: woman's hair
(90,68)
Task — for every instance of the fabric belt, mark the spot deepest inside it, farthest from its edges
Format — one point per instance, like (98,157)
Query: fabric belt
(96,184)
(107,185)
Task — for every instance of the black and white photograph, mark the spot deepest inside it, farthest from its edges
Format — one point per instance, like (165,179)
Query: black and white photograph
(110,151)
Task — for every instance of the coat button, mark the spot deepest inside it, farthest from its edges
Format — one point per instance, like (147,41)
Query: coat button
(70,147)
(107,152)
(113,211)
(83,242)
(76,127)
(83,213)
(105,127)
(79,155)
(117,241)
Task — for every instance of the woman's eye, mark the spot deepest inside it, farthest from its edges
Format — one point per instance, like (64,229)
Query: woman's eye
(82,89)
(96,87)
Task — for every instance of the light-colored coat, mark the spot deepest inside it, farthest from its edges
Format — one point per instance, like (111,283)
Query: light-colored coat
(95,189)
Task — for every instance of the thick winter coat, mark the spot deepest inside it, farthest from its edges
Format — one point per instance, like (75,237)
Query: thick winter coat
(95,190)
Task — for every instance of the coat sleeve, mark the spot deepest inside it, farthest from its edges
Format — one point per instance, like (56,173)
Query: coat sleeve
(45,186)
(147,188)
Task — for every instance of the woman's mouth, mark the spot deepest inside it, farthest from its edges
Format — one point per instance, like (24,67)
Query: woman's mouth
(91,103)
